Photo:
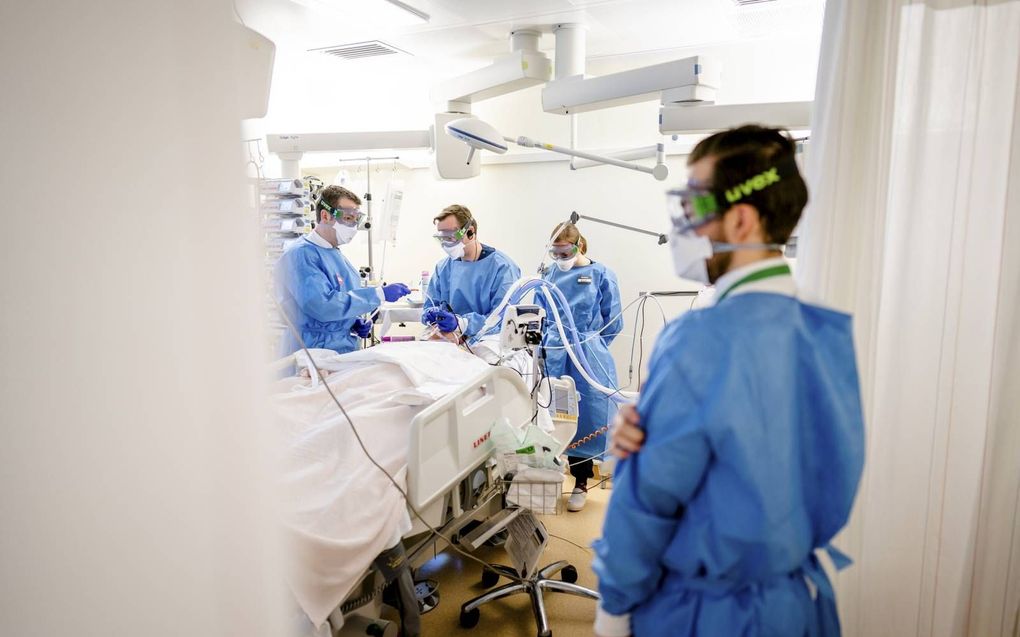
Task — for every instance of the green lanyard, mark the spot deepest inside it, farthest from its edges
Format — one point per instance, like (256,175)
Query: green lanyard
(767,273)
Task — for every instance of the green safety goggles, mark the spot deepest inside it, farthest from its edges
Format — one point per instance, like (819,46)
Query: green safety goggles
(349,217)
(450,237)
(699,204)
(562,252)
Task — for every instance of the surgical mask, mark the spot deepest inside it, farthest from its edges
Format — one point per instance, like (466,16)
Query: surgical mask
(455,251)
(344,233)
(690,256)
(566,264)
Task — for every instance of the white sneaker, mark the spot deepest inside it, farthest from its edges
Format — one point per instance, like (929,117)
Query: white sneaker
(576,500)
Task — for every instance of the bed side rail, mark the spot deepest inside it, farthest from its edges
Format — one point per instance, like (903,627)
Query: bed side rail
(450,438)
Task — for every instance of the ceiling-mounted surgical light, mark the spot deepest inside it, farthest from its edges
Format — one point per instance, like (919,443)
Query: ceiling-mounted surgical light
(479,135)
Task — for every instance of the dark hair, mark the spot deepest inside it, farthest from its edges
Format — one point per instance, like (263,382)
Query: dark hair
(332,195)
(743,152)
(464,217)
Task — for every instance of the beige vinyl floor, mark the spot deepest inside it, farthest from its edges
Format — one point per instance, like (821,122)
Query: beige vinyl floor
(569,616)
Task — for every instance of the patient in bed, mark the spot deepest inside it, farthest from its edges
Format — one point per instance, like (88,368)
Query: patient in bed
(340,511)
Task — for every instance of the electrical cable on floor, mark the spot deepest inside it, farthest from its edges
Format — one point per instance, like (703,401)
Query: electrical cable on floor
(563,539)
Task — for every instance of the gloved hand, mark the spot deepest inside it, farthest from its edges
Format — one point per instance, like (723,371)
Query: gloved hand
(395,291)
(446,321)
(362,327)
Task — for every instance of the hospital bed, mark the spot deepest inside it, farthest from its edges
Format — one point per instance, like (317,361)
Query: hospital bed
(450,480)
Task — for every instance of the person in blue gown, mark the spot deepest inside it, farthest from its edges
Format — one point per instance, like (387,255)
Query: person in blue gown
(744,452)
(471,281)
(318,288)
(594,296)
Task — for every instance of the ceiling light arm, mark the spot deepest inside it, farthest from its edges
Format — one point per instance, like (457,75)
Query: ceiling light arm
(659,171)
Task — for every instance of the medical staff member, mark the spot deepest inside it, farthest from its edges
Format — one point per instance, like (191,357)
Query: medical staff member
(318,287)
(753,430)
(471,281)
(594,297)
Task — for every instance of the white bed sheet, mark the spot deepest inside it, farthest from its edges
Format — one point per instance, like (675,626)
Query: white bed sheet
(340,511)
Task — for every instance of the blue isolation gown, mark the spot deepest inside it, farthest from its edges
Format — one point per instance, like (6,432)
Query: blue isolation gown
(594,297)
(321,293)
(754,450)
(472,289)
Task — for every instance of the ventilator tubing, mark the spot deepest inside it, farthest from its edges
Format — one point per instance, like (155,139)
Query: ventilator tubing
(572,346)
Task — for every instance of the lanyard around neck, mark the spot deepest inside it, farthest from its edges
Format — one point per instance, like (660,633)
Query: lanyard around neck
(767,273)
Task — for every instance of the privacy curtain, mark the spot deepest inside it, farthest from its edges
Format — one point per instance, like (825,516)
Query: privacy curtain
(914,227)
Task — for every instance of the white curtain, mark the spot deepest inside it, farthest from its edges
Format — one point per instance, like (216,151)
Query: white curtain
(914,227)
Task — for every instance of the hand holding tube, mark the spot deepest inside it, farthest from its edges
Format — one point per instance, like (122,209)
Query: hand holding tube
(362,327)
(445,321)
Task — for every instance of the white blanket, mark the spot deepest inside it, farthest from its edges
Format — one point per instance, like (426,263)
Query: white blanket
(340,510)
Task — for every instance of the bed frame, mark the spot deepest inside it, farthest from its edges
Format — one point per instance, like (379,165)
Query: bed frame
(449,441)
(449,478)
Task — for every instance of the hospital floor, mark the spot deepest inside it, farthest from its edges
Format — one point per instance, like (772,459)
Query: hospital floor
(460,580)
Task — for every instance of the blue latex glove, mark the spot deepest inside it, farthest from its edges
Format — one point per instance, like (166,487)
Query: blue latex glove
(446,321)
(362,327)
(395,291)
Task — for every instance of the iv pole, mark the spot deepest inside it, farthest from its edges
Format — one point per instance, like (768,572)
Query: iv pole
(368,218)
(368,204)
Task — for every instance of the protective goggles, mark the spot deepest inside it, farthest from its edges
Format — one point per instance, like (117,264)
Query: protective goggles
(699,204)
(561,253)
(349,217)
(450,237)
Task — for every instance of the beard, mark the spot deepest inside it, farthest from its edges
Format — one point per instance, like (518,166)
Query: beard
(718,265)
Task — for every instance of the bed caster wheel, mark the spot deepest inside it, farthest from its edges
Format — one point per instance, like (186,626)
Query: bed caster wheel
(489,577)
(469,618)
(569,575)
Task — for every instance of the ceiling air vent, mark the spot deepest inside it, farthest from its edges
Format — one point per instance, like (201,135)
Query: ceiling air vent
(359,50)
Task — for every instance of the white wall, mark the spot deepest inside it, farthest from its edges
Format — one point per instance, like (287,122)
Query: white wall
(133,494)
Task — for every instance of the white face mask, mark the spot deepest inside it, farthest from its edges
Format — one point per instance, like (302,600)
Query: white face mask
(344,234)
(456,251)
(566,264)
(690,256)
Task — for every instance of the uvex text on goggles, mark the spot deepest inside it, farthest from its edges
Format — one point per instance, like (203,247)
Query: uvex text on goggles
(696,205)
